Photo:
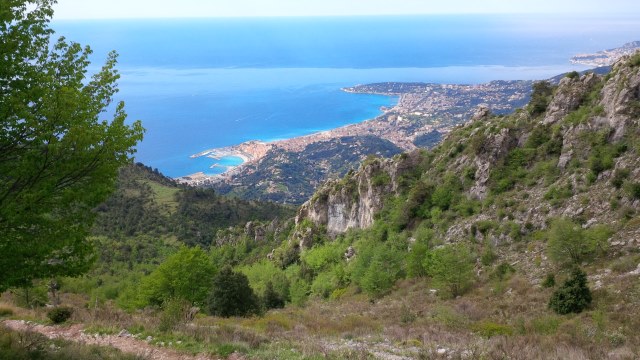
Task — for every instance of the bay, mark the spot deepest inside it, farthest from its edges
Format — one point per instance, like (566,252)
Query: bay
(204,83)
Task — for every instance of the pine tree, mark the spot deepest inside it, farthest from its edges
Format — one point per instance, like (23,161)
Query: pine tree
(231,295)
(573,296)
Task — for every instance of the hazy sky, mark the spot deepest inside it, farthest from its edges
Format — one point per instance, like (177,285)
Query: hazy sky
(92,9)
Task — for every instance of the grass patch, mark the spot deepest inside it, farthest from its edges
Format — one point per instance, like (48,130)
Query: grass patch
(165,196)
(490,329)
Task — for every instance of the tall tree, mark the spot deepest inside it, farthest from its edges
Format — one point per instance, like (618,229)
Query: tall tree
(58,158)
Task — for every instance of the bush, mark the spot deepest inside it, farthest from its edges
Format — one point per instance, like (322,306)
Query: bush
(186,274)
(540,98)
(572,75)
(573,296)
(5,311)
(618,177)
(299,292)
(174,312)
(488,255)
(271,299)
(60,314)
(260,274)
(549,281)
(451,268)
(633,189)
(377,267)
(635,60)
(568,244)
(415,259)
(231,295)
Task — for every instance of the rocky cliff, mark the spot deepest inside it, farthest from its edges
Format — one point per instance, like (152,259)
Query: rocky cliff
(578,158)
(352,202)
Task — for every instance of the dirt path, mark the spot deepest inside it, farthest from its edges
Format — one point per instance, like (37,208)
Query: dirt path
(125,342)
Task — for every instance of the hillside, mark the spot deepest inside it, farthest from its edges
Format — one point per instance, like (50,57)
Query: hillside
(474,249)
(147,202)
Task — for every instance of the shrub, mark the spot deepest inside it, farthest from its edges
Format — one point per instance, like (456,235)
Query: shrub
(572,75)
(540,98)
(377,267)
(60,314)
(502,271)
(489,329)
(324,284)
(186,274)
(635,60)
(549,281)
(415,259)
(231,295)
(569,244)
(618,177)
(5,311)
(174,312)
(633,189)
(261,273)
(271,299)
(451,268)
(488,255)
(299,292)
(573,296)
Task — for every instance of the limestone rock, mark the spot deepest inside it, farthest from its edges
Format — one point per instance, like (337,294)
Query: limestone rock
(569,96)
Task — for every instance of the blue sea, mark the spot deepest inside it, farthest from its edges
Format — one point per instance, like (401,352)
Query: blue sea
(198,84)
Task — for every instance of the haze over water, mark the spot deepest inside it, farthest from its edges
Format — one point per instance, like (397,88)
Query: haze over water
(206,83)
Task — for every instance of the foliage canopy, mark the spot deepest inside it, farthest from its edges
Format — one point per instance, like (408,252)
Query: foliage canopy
(58,160)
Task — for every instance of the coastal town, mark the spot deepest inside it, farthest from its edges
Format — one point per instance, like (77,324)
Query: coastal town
(606,57)
(423,113)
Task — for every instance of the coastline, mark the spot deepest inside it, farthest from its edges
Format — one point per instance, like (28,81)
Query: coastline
(421,109)
(253,151)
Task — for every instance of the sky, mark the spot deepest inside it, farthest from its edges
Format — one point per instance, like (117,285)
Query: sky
(113,9)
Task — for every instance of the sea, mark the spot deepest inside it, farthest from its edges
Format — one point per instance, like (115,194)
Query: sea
(199,84)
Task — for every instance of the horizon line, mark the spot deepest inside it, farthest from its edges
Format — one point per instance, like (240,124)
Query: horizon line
(205,17)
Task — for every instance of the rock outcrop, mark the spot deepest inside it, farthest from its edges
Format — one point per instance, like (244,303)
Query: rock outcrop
(584,112)
(352,202)
(569,96)
(620,97)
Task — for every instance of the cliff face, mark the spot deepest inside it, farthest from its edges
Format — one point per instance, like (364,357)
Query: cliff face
(587,136)
(352,202)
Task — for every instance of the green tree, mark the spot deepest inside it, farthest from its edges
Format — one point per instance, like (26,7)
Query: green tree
(573,296)
(377,267)
(231,295)
(58,159)
(185,275)
(568,244)
(271,299)
(451,268)
(540,97)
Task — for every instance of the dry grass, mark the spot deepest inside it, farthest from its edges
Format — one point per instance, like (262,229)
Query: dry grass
(495,320)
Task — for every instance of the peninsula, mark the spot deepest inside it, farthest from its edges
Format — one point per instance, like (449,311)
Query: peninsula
(606,57)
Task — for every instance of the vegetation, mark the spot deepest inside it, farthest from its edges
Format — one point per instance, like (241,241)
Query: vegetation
(59,315)
(185,275)
(59,158)
(540,98)
(451,268)
(231,295)
(570,245)
(471,245)
(573,296)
